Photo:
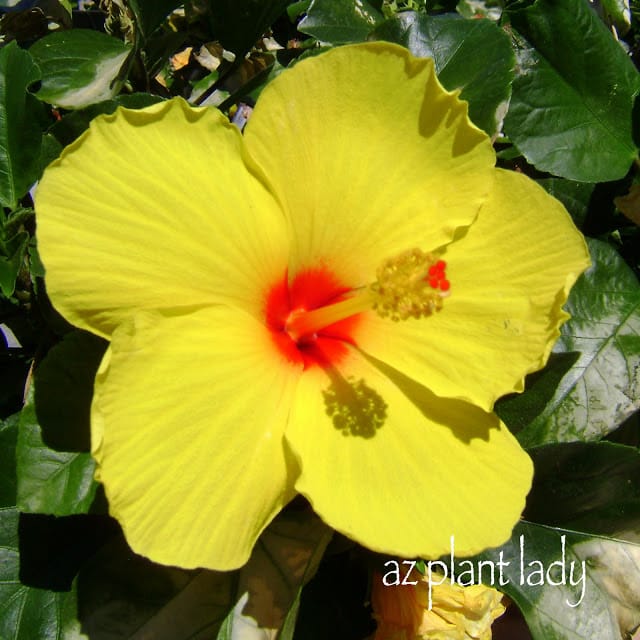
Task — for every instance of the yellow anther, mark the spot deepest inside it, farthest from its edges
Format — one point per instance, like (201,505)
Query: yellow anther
(410,285)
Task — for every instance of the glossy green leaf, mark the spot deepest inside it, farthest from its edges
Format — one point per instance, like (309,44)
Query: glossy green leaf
(602,388)
(538,567)
(8,438)
(474,56)
(27,613)
(570,112)
(20,136)
(79,67)
(151,13)
(239,24)
(49,481)
(592,487)
(340,21)
(64,390)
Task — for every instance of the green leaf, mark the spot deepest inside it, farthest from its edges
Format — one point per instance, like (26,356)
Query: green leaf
(151,13)
(66,5)
(50,481)
(602,388)
(79,67)
(12,252)
(570,112)
(20,136)
(238,24)
(27,613)
(616,13)
(13,247)
(51,149)
(17,219)
(474,56)
(64,390)
(591,487)
(527,574)
(8,438)
(36,268)
(296,9)
(340,21)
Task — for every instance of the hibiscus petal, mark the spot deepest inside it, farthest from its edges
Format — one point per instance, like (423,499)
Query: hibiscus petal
(187,422)
(153,209)
(396,468)
(369,156)
(510,275)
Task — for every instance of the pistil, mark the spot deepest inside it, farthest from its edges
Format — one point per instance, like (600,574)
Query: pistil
(303,324)
(412,284)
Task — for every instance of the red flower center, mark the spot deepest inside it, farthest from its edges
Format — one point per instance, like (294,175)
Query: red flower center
(310,289)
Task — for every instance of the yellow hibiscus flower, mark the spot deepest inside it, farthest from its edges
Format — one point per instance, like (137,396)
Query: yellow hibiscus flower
(443,612)
(249,286)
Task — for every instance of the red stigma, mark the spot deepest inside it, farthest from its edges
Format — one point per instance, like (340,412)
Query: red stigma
(437,276)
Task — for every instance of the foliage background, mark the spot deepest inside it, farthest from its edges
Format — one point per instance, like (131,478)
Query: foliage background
(554,82)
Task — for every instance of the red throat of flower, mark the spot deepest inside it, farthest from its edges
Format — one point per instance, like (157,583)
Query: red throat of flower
(288,303)
(313,318)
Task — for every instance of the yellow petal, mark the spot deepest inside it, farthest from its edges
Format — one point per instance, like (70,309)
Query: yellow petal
(510,275)
(436,611)
(369,155)
(155,209)
(458,613)
(389,464)
(187,419)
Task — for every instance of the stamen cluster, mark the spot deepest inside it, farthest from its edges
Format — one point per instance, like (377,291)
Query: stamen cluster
(410,285)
